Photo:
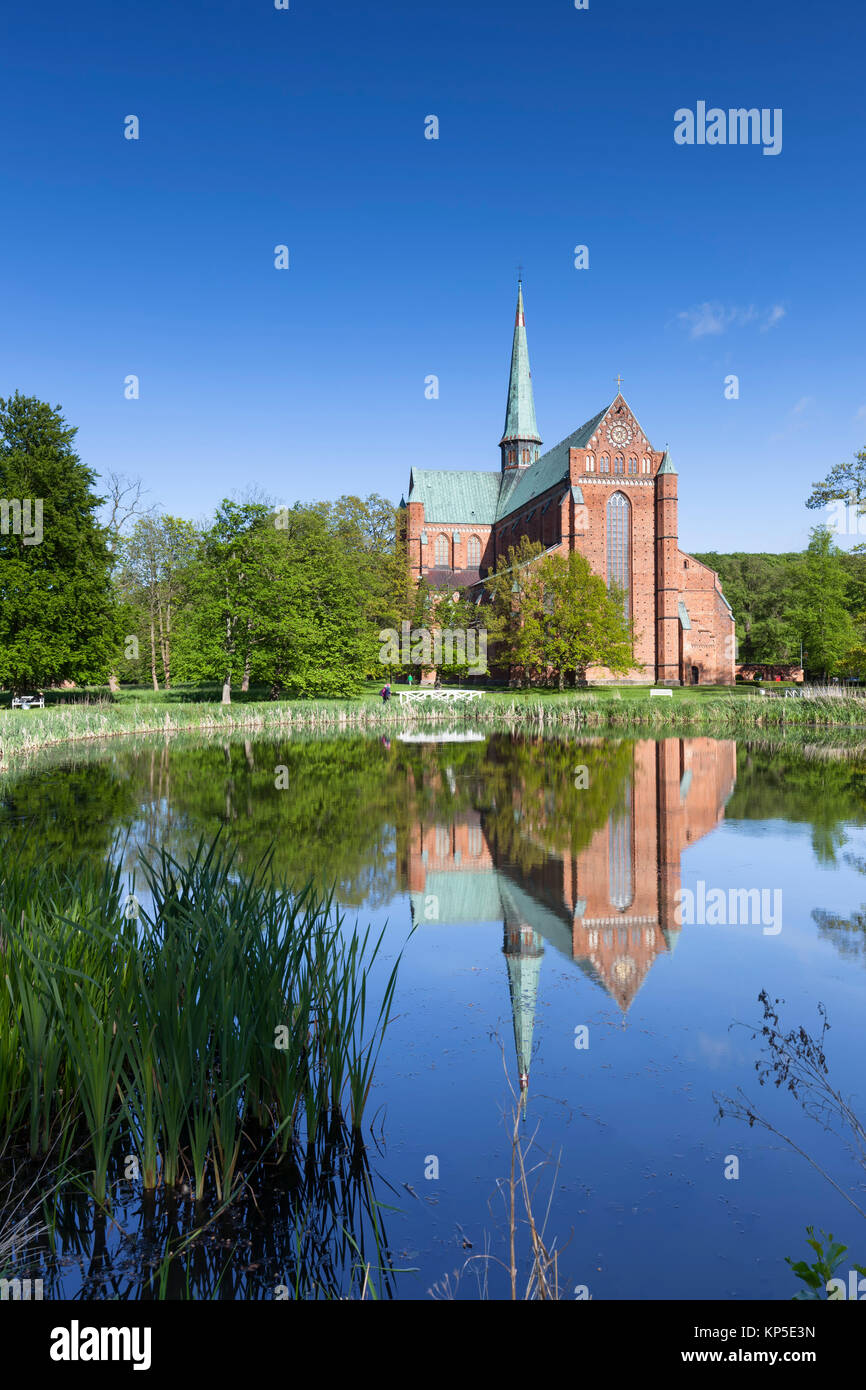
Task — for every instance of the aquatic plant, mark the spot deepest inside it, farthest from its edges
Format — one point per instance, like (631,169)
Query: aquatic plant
(215,1018)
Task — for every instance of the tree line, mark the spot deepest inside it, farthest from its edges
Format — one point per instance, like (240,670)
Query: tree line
(295,598)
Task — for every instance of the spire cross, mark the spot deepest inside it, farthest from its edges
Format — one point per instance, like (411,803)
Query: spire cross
(618,382)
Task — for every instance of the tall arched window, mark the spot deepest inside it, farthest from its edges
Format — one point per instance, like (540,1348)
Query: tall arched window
(618,465)
(473,551)
(618,544)
(632,465)
(442,550)
(589,463)
(604,464)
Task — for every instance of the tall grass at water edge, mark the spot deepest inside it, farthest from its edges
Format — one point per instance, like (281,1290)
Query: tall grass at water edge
(227,1020)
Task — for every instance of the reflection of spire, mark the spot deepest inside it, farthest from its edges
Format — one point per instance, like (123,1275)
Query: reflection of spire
(523,951)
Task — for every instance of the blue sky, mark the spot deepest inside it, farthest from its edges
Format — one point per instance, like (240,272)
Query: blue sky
(305,127)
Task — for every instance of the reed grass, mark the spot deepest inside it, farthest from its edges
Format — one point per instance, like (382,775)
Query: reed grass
(688,710)
(227,1020)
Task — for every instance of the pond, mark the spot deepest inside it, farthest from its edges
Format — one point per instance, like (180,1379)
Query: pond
(584,926)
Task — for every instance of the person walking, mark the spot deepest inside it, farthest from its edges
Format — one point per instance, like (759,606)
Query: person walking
(386,694)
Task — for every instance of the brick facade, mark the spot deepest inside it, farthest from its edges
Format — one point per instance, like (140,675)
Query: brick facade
(684,628)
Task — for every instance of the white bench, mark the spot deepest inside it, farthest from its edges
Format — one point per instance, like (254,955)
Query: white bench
(28,702)
(669,693)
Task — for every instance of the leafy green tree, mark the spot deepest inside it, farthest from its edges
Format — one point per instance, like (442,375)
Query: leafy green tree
(372,530)
(758,588)
(551,614)
(155,561)
(58,616)
(317,637)
(819,614)
(513,610)
(845,482)
(228,595)
(585,623)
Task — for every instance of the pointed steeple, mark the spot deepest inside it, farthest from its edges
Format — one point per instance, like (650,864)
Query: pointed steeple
(523,950)
(521,443)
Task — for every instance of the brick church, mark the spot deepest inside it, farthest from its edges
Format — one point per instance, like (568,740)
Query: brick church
(604,491)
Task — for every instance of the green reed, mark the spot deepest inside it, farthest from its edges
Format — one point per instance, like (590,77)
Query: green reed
(223,1019)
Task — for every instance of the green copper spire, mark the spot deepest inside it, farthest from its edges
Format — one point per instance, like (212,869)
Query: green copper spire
(523,950)
(667,464)
(521,443)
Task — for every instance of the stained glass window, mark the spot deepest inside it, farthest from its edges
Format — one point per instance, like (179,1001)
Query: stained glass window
(618,544)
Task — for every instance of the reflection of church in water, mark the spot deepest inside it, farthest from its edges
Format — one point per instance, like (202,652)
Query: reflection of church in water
(610,908)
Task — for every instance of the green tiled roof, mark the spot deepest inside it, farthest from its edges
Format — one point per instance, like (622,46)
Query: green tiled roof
(684,616)
(455,495)
(550,469)
(666,465)
(469,896)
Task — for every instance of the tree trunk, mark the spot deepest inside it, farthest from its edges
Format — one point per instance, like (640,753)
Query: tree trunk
(153,675)
(227,680)
(245,684)
(165,645)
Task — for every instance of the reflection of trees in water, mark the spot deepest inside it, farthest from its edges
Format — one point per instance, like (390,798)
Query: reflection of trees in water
(787,784)
(351,801)
(821,787)
(345,806)
(534,803)
(847,934)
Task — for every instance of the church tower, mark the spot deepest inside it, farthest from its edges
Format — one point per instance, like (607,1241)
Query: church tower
(520,444)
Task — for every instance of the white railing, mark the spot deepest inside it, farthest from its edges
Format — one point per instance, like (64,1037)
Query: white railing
(448,697)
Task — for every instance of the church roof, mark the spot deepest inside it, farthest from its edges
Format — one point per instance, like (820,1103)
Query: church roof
(452,495)
(667,464)
(546,472)
(455,495)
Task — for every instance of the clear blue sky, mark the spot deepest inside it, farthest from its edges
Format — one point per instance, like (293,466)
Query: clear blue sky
(306,127)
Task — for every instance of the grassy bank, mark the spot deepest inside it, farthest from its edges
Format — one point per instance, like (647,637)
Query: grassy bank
(686,711)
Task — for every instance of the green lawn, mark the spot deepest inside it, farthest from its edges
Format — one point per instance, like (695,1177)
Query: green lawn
(210,692)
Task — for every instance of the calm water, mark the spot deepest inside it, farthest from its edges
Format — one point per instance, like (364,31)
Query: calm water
(542,877)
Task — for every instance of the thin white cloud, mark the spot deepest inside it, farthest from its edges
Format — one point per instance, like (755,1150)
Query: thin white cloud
(711,319)
(775,314)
